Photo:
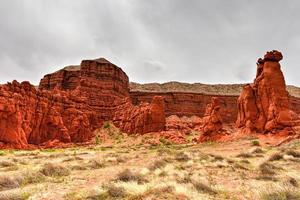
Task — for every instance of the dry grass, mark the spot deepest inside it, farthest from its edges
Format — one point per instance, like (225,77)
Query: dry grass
(8,182)
(158,164)
(294,153)
(182,157)
(202,187)
(280,193)
(95,164)
(152,172)
(51,169)
(275,156)
(128,175)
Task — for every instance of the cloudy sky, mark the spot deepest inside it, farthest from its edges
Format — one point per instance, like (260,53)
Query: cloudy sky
(208,41)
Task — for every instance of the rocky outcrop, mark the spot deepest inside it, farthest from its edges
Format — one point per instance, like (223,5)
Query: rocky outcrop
(70,104)
(189,104)
(144,118)
(264,106)
(30,116)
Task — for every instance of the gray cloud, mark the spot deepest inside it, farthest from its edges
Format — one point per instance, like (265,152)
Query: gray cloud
(208,41)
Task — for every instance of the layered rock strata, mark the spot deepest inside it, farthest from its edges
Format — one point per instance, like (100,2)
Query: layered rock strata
(264,106)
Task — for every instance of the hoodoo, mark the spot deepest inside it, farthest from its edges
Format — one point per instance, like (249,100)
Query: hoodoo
(263,106)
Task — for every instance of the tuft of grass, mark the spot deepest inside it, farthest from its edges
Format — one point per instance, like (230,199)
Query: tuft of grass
(282,193)
(204,188)
(116,192)
(267,168)
(217,157)
(294,153)
(96,164)
(186,179)
(128,175)
(6,163)
(32,177)
(257,150)
(51,169)
(158,164)
(8,182)
(164,141)
(2,153)
(275,156)
(267,171)
(182,157)
(291,181)
(78,167)
(106,125)
(15,195)
(255,143)
(244,155)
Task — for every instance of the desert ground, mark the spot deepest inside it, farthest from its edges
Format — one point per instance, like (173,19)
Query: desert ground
(131,169)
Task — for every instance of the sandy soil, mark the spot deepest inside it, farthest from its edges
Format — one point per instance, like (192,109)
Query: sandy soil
(231,170)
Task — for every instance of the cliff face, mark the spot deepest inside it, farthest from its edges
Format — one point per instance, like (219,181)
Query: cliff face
(70,104)
(189,104)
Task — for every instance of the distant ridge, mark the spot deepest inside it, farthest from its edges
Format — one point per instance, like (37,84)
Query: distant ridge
(218,89)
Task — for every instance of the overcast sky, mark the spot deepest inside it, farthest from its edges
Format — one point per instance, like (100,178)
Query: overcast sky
(207,41)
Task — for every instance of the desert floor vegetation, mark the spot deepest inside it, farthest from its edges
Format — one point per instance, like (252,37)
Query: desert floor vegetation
(234,170)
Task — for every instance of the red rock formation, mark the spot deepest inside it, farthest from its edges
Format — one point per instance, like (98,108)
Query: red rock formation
(212,121)
(30,116)
(141,119)
(264,105)
(183,124)
(189,104)
(70,104)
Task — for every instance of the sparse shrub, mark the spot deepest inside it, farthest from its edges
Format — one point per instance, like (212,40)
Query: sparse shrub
(218,157)
(51,169)
(8,182)
(96,164)
(78,167)
(240,166)
(267,168)
(282,193)
(121,159)
(185,179)
(245,161)
(158,164)
(201,187)
(163,151)
(267,172)
(116,192)
(128,175)
(32,177)
(164,141)
(257,150)
(294,153)
(15,195)
(106,125)
(244,155)
(6,163)
(2,153)
(275,156)
(163,174)
(255,143)
(182,157)
(291,181)
(72,159)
